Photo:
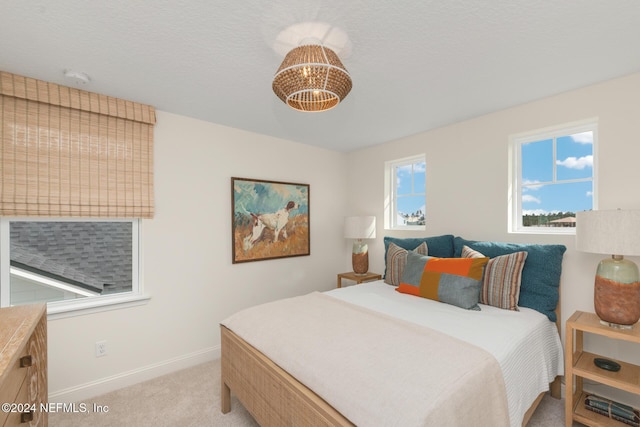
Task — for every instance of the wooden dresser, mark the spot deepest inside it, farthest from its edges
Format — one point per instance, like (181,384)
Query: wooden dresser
(23,365)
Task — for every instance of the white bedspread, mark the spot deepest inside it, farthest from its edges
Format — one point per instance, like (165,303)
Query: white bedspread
(375,369)
(525,343)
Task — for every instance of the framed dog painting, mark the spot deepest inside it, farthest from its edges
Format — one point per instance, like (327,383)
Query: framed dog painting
(270,219)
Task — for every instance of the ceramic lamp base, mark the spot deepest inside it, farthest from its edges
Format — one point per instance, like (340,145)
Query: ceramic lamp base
(360,258)
(617,304)
(617,293)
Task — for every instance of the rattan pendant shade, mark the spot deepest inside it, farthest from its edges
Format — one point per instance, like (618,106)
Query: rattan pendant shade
(312,78)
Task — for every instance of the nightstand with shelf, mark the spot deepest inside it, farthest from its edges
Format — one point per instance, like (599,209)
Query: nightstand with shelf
(358,278)
(580,364)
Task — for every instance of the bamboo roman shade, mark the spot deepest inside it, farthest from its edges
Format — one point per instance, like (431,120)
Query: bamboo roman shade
(70,153)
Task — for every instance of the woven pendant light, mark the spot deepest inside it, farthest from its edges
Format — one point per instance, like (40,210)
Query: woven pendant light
(312,78)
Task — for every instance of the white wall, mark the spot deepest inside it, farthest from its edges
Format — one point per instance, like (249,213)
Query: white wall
(187,246)
(467,178)
(187,257)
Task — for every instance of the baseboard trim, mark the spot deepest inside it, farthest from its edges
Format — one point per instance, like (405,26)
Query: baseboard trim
(125,379)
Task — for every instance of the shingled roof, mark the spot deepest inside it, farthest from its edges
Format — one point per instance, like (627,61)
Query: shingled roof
(93,255)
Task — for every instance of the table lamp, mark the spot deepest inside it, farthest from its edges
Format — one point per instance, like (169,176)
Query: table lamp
(359,228)
(617,282)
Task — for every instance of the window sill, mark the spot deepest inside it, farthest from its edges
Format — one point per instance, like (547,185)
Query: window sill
(407,228)
(64,309)
(562,231)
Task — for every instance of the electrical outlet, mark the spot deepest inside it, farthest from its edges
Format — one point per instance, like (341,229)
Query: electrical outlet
(101,348)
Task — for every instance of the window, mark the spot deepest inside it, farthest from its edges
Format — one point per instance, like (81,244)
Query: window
(69,154)
(68,263)
(552,177)
(405,193)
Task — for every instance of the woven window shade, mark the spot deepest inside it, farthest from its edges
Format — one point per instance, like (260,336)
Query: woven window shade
(71,153)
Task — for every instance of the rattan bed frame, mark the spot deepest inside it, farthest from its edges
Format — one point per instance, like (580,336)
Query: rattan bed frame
(275,398)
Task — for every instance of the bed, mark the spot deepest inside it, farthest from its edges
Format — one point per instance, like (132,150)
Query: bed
(361,355)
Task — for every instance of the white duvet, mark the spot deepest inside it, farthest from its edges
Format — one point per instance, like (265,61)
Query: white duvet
(525,343)
(374,369)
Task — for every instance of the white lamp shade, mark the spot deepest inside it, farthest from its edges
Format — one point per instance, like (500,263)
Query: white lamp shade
(360,227)
(613,232)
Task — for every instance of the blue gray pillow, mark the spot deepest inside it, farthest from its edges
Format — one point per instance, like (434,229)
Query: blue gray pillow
(540,284)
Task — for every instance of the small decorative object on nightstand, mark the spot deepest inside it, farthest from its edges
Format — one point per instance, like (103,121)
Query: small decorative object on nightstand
(358,278)
(360,227)
(581,365)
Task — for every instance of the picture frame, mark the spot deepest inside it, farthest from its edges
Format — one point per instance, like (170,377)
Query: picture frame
(270,219)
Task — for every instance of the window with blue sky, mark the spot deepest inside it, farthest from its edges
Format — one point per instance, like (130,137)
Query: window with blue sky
(556,177)
(407,195)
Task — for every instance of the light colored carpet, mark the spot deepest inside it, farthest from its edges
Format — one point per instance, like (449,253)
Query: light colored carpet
(191,397)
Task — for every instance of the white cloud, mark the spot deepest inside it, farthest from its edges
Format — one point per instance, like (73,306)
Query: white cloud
(531,185)
(530,199)
(534,212)
(583,138)
(576,162)
(404,168)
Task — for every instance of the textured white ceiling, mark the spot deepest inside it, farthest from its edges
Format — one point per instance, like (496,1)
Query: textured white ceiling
(415,64)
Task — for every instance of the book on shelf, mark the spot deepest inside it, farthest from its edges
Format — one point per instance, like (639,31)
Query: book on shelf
(614,410)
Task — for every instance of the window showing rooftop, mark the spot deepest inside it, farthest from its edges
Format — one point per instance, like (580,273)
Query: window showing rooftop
(52,261)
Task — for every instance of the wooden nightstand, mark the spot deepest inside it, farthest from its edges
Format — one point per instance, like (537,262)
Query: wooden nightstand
(358,278)
(580,364)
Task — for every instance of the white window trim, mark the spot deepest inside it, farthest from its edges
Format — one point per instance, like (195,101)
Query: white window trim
(514,224)
(82,306)
(50,282)
(390,193)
